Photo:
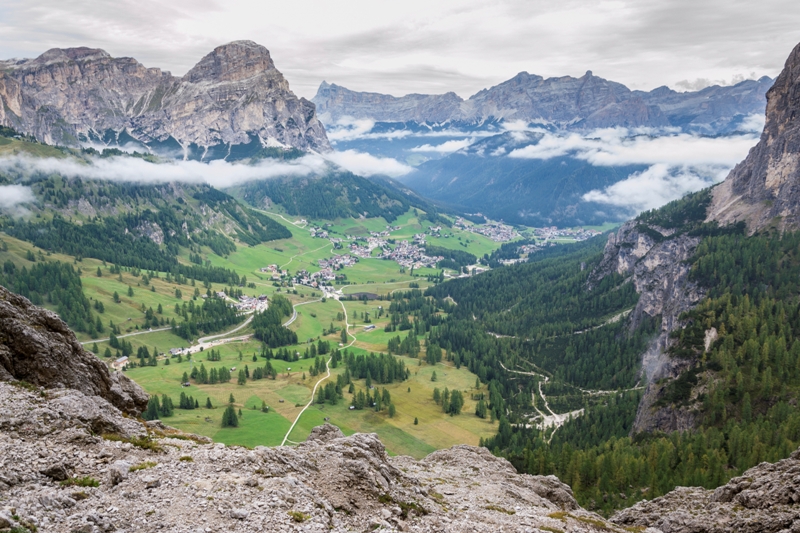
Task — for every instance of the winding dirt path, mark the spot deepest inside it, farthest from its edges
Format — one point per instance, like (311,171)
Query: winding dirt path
(327,368)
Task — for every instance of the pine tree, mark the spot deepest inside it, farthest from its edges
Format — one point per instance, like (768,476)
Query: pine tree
(416,421)
(229,418)
(231,399)
(208,403)
(95,349)
(167,408)
(153,408)
(433,376)
(392,410)
(242,377)
(480,409)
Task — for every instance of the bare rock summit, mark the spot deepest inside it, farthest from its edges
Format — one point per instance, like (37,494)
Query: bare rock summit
(233,100)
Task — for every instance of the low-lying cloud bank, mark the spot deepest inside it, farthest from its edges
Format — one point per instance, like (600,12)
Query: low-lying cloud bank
(220,174)
(617,147)
(365,164)
(679,163)
(129,169)
(13,195)
(446,147)
(655,187)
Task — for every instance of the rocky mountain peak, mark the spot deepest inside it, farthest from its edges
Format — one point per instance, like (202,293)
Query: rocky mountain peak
(235,95)
(64,55)
(764,189)
(235,61)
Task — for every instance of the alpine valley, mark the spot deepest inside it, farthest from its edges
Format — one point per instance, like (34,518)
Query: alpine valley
(216,316)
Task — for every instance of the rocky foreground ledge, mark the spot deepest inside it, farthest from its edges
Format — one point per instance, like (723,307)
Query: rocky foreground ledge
(70,462)
(75,457)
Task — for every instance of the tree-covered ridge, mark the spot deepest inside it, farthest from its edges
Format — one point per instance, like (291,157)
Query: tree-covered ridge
(544,298)
(108,241)
(337,195)
(148,221)
(684,215)
(254,227)
(56,284)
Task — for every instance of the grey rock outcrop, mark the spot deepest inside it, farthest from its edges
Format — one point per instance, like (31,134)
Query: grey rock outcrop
(565,102)
(234,96)
(765,499)
(37,347)
(658,268)
(764,189)
(334,483)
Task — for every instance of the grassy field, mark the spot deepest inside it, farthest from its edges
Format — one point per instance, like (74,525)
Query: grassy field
(9,147)
(435,430)
(287,394)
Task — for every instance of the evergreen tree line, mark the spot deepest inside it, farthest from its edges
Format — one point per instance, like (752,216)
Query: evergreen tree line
(56,284)
(380,368)
(213,315)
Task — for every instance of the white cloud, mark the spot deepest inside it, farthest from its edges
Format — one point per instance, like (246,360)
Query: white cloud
(613,147)
(754,123)
(678,163)
(702,83)
(365,164)
(13,195)
(655,187)
(216,173)
(446,147)
(348,128)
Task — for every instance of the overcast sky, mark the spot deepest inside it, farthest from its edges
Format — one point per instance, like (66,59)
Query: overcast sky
(429,46)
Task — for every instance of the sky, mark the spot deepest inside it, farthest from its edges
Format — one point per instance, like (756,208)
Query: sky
(429,47)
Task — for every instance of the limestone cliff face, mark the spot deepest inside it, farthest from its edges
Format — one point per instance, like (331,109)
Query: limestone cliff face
(235,95)
(565,102)
(655,259)
(37,347)
(764,189)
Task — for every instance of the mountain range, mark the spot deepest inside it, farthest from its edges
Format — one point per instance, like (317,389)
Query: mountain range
(233,101)
(564,102)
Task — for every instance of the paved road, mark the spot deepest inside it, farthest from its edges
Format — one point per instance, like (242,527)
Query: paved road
(129,335)
(244,324)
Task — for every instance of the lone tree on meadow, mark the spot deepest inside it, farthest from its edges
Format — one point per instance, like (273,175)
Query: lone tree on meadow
(229,418)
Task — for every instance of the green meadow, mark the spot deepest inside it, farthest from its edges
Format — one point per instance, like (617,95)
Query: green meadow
(291,390)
